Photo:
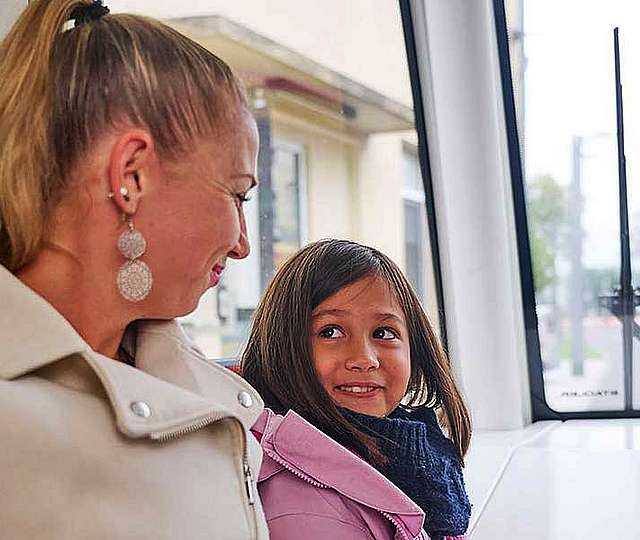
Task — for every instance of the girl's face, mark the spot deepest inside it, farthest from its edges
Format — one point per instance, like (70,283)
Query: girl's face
(361,347)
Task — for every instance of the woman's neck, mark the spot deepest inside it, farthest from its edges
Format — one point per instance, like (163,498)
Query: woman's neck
(82,292)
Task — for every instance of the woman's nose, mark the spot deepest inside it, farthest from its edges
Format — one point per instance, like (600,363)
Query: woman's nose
(242,248)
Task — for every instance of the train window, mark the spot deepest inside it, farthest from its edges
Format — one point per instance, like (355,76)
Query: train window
(563,75)
(338,152)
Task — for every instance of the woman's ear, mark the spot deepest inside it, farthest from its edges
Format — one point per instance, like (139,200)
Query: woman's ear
(130,159)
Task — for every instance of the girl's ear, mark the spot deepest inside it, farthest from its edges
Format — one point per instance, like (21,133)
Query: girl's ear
(128,167)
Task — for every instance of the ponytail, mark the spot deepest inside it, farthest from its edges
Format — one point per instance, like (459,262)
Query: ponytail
(25,153)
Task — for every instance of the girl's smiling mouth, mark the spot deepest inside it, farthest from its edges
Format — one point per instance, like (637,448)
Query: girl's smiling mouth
(359,389)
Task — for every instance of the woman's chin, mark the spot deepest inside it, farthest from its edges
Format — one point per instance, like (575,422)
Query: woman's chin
(181,306)
(182,303)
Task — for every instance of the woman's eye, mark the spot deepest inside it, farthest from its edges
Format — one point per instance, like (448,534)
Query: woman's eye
(331,332)
(243,198)
(384,333)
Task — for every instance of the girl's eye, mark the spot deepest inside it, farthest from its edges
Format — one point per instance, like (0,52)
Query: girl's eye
(384,333)
(331,332)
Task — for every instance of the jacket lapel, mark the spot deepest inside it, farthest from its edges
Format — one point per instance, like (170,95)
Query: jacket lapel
(32,332)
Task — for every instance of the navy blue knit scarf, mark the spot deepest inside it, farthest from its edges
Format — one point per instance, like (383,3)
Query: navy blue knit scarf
(424,464)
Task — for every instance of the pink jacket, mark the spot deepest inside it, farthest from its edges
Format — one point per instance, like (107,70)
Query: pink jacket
(313,488)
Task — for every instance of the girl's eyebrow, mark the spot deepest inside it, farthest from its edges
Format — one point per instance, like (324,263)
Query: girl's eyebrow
(385,316)
(390,316)
(324,312)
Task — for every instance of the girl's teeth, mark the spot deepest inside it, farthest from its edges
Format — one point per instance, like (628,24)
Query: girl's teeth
(357,389)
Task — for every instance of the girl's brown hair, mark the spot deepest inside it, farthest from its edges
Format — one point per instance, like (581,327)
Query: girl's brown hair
(278,358)
(62,87)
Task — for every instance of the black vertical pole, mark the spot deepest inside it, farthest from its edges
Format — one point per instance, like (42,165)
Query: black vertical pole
(626,290)
(539,408)
(406,15)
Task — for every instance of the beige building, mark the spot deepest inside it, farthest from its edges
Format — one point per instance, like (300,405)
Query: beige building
(330,90)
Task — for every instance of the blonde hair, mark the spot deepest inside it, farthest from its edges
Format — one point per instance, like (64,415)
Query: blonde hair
(62,88)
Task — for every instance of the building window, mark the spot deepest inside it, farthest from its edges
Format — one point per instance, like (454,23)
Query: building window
(287,184)
(414,221)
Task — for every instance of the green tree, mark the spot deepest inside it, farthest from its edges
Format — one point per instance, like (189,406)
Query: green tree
(547,216)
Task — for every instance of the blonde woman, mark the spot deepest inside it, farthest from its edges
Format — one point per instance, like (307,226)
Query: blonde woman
(126,152)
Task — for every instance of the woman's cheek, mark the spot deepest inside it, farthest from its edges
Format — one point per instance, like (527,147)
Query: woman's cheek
(195,250)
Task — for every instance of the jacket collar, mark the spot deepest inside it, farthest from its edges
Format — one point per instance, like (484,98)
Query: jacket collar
(32,332)
(180,387)
(311,452)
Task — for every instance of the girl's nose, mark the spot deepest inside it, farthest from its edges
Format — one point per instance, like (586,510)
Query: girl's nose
(363,359)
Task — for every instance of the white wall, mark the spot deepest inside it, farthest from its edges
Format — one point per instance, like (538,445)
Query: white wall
(379,194)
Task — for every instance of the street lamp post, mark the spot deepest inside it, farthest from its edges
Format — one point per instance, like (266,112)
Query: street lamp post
(576,287)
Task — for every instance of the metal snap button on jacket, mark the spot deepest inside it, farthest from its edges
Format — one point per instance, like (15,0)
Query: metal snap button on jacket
(140,408)
(245,399)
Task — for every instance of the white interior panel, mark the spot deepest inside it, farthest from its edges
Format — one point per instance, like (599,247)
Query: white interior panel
(580,479)
(472,190)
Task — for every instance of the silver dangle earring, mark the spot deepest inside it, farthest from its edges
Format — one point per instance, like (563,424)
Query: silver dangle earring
(134,277)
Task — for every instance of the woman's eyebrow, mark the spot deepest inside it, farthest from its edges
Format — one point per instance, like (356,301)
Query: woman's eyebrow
(254,180)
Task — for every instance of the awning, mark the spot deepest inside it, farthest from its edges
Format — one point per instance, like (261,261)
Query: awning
(284,76)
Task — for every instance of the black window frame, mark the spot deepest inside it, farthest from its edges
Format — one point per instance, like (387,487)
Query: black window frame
(423,158)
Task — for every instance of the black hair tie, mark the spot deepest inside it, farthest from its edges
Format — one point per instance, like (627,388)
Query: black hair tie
(85,13)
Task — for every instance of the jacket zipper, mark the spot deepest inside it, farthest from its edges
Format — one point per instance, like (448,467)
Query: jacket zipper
(395,523)
(164,436)
(248,483)
(317,484)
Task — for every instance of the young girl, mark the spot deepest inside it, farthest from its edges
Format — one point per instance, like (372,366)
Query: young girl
(341,339)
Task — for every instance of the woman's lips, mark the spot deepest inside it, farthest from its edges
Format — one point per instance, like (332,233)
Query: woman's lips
(215,274)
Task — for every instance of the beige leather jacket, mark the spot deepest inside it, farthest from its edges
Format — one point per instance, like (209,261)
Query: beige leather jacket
(91,448)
